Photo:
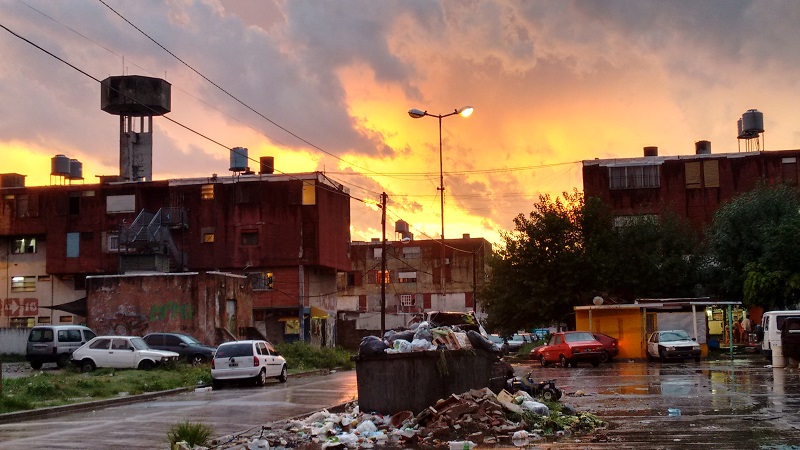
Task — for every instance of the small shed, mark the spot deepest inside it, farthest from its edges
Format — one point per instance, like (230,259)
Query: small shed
(632,323)
(214,307)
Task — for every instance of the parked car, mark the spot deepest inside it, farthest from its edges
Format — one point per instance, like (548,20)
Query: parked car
(121,352)
(499,343)
(253,359)
(55,343)
(771,324)
(610,346)
(516,341)
(570,347)
(191,350)
(536,352)
(672,344)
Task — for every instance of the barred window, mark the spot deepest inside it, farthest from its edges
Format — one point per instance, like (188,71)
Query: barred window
(407,277)
(406,300)
(634,177)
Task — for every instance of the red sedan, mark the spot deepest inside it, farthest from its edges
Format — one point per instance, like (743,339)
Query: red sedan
(570,347)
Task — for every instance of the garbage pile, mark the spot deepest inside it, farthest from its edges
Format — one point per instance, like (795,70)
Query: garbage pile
(425,336)
(476,417)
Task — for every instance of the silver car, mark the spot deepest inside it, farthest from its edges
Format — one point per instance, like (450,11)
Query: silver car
(241,360)
(120,352)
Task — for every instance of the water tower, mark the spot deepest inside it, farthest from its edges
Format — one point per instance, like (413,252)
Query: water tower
(751,130)
(135,99)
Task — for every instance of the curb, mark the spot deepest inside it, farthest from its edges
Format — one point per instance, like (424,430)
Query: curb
(40,413)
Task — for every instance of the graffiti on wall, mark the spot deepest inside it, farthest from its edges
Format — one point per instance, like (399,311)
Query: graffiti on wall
(171,310)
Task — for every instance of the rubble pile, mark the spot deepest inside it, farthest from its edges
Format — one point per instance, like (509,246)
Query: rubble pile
(476,417)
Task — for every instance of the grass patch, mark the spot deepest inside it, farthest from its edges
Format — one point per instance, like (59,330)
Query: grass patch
(194,434)
(11,358)
(71,386)
(301,356)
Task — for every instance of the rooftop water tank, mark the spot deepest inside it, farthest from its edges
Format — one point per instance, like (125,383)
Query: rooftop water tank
(135,95)
(75,170)
(753,122)
(400,226)
(267,165)
(702,147)
(59,165)
(239,160)
(651,151)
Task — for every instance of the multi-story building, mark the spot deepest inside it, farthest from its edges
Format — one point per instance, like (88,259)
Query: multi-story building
(412,283)
(692,186)
(288,233)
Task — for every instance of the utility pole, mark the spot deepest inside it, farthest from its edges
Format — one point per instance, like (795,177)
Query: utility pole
(383,264)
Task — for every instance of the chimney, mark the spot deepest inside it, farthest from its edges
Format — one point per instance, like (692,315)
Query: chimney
(702,147)
(465,236)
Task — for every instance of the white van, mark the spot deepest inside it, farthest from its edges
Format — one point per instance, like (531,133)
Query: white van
(772,322)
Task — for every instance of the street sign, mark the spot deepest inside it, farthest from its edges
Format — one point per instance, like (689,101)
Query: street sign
(21,307)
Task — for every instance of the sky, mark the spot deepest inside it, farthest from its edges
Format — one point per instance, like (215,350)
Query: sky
(327,85)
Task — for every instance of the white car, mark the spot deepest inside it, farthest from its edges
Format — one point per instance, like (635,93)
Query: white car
(672,344)
(254,359)
(120,352)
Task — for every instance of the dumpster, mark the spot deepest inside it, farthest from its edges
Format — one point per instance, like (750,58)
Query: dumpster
(390,383)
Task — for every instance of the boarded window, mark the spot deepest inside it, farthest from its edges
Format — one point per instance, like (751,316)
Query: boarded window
(207,192)
(23,284)
(692,170)
(309,193)
(711,173)
(789,171)
(120,203)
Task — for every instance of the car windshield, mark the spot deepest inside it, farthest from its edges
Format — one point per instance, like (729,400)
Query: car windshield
(576,337)
(139,343)
(678,335)
(231,350)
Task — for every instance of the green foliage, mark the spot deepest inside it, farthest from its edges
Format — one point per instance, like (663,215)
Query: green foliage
(755,253)
(194,434)
(566,251)
(71,386)
(558,421)
(301,355)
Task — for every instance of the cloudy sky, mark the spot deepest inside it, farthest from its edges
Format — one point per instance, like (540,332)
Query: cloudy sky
(326,86)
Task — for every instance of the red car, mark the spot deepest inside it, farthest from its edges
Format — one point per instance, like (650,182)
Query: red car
(536,352)
(570,347)
(610,346)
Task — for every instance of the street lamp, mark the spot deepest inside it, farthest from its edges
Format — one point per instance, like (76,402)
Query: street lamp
(464,111)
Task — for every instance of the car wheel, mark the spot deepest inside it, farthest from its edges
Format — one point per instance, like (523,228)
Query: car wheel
(87,365)
(63,360)
(146,364)
(197,360)
(36,365)
(261,378)
(564,362)
(544,362)
(549,395)
(284,375)
(605,357)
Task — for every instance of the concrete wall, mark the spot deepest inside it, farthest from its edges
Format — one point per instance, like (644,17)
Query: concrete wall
(13,340)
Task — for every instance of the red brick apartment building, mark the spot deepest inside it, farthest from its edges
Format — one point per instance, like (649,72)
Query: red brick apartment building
(413,281)
(287,234)
(693,186)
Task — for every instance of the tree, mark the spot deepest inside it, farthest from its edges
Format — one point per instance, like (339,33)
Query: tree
(755,254)
(567,251)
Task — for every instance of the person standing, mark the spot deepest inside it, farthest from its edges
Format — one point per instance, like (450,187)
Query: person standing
(747,328)
(737,331)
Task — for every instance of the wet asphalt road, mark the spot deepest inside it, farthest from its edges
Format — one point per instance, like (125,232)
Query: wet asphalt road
(724,404)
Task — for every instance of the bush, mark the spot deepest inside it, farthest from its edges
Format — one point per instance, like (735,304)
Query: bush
(301,355)
(194,434)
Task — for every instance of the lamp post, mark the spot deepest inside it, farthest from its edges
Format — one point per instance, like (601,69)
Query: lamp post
(464,111)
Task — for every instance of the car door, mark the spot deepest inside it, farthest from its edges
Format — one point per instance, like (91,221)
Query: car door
(175,344)
(550,352)
(276,360)
(98,351)
(121,354)
(265,357)
(652,345)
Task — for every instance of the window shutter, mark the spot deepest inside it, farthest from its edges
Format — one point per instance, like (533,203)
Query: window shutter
(711,173)
(692,170)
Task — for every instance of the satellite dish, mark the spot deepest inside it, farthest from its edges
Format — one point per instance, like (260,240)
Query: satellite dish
(597,300)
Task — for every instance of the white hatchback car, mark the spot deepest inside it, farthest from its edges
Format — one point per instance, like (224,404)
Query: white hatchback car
(254,359)
(120,352)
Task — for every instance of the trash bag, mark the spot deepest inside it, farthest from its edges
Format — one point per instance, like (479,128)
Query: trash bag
(423,333)
(536,407)
(479,341)
(371,345)
(406,335)
(402,346)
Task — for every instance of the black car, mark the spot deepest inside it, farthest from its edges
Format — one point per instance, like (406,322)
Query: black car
(190,349)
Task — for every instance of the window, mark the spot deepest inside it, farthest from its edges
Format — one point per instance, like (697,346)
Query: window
(172,341)
(100,344)
(74,202)
(43,320)
(406,300)
(120,203)
(634,177)
(789,171)
(407,277)
(69,335)
(24,245)
(207,192)
(43,278)
(249,238)
(112,242)
(377,253)
(21,322)
(711,173)
(22,205)
(355,278)
(411,252)
(386,277)
(73,245)
(309,193)
(208,238)
(23,284)
(262,281)
(65,319)
(692,174)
